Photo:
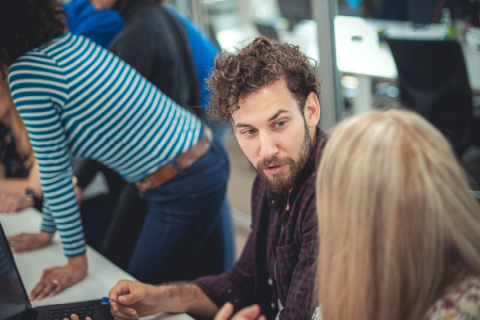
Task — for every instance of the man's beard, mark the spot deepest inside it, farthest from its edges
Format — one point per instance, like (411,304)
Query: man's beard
(277,183)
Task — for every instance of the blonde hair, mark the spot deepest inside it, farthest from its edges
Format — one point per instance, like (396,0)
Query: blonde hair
(19,132)
(397,222)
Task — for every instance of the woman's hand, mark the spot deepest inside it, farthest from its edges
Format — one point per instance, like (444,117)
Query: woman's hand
(248,313)
(29,241)
(56,279)
(75,317)
(10,202)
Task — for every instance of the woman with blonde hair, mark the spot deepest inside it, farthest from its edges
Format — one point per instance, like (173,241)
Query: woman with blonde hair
(399,229)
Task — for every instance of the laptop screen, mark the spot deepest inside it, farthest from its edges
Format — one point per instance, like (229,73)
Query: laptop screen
(13,298)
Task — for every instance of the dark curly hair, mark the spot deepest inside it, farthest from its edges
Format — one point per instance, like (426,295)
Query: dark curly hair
(259,64)
(27,24)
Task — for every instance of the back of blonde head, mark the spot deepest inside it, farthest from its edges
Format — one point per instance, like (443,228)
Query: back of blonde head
(397,222)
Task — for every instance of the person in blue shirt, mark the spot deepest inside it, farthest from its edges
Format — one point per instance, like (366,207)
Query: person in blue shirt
(99,26)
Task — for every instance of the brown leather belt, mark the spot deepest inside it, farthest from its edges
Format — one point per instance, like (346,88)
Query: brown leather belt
(185,160)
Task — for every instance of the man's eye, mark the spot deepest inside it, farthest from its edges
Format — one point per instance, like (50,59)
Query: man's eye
(249,132)
(281,123)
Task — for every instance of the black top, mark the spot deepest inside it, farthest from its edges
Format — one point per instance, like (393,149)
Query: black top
(155,43)
(9,155)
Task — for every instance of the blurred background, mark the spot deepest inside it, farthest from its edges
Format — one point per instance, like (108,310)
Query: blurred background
(348,39)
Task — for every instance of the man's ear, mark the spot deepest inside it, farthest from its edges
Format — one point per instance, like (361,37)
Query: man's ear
(312,110)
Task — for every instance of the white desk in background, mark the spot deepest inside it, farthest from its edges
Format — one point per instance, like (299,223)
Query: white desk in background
(304,35)
(102,274)
(365,57)
(358,51)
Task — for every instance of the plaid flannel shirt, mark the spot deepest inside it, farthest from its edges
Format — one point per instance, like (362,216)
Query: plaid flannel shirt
(278,261)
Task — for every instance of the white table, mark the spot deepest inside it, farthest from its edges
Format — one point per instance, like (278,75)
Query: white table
(359,51)
(370,57)
(102,274)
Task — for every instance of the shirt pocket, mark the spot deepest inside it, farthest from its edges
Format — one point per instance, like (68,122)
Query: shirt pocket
(285,263)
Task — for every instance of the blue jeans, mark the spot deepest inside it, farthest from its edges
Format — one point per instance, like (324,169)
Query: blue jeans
(182,236)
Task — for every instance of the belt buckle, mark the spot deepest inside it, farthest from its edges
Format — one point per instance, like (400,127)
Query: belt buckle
(143,185)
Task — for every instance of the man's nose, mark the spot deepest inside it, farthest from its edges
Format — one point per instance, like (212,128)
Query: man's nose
(268,146)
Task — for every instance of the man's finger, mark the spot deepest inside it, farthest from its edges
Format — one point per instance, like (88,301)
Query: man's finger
(121,316)
(120,288)
(128,299)
(129,312)
(114,306)
(251,312)
(225,312)
(74,317)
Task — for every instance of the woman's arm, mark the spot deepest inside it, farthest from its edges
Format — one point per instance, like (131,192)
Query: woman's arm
(40,91)
(13,185)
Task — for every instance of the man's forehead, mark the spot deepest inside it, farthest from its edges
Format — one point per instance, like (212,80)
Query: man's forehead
(265,103)
(277,87)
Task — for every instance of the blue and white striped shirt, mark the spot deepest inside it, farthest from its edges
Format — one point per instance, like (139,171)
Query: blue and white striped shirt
(79,100)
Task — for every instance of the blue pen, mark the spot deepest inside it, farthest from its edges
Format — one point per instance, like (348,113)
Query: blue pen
(107,300)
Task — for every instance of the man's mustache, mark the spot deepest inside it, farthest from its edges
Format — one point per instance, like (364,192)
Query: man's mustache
(274,162)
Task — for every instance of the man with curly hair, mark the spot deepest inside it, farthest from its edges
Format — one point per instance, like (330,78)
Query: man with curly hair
(269,92)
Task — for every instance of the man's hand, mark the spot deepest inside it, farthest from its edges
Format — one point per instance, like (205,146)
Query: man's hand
(10,202)
(135,299)
(29,241)
(249,313)
(56,279)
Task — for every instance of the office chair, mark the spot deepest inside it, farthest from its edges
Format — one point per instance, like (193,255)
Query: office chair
(434,82)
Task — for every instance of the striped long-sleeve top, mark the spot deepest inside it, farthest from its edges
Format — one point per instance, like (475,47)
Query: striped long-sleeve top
(79,100)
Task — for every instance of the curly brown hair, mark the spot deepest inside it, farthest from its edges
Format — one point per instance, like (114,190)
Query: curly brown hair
(27,24)
(259,64)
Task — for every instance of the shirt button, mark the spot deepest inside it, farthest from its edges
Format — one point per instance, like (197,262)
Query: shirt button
(270,281)
(273,201)
(272,305)
(229,291)
(236,300)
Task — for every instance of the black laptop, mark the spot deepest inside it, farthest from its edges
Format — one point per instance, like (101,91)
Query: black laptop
(14,302)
